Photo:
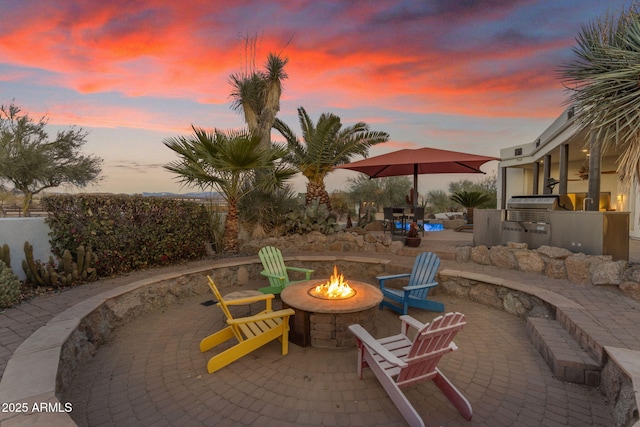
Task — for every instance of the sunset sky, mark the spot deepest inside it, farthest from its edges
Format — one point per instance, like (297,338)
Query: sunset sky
(473,76)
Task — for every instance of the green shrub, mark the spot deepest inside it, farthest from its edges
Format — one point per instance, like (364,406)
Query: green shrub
(127,232)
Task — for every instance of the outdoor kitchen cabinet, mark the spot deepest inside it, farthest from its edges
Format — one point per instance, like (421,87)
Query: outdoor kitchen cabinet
(592,233)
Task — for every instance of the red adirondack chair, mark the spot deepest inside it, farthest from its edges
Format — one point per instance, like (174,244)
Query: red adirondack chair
(399,361)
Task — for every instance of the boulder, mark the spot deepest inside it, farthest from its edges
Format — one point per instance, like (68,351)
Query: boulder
(555,269)
(463,253)
(630,289)
(529,261)
(514,245)
(480,255)
(502,257)
(607,272)
(374,226)
(553,252)
(578,268)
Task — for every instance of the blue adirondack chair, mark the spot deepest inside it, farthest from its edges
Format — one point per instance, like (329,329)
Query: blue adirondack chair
(415,294)
(276,271)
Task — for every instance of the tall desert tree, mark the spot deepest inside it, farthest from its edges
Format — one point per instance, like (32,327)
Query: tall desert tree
(324,146)
(230,162)
(33,163)
(256,94)
(603,86)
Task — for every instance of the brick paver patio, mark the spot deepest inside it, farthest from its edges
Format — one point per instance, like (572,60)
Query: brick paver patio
(151,372)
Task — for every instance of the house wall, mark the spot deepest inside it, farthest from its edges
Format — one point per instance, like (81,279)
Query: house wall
(15,231)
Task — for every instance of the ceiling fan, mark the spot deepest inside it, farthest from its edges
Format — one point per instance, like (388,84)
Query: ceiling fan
(583,173)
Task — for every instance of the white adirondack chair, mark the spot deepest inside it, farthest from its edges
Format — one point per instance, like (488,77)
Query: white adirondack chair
(399,361)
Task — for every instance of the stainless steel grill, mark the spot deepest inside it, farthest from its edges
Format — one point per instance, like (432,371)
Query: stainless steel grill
(529,218)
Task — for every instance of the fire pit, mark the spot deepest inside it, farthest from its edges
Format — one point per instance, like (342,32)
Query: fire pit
(322,318)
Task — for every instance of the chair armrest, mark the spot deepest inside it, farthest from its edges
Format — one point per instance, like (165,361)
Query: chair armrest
(365,338)
(249,300)
(381,279)
(424,285)
(408,321)
(264,316)
(307,271)
(274,276)
(393,276)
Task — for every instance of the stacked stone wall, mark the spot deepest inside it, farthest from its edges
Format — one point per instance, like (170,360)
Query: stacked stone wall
(558,263)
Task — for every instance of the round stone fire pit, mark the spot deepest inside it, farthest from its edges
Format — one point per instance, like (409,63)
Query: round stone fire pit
(324,323)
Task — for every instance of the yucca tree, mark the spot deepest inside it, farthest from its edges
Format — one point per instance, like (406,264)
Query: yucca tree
(603,84)
(230,162)
(257,95)
(324,146)
(470,200)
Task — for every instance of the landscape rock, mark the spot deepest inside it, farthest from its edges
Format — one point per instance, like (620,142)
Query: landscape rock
(553,252)
(514,245)
(578,269)
(502,257)
(630,289)
(555,269)
(463,253)
(607,273)
(480,255)
(529,261)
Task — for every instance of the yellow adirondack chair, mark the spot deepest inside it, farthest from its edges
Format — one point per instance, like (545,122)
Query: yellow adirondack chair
(251,332)
(276,271)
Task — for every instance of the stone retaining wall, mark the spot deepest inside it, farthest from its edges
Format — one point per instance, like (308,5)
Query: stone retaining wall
(558,263)
(620,376)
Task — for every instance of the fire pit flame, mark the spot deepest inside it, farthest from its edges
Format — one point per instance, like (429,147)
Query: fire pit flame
(336,288)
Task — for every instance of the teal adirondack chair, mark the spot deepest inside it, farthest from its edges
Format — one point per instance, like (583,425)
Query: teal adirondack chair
(276,271)
(415,294)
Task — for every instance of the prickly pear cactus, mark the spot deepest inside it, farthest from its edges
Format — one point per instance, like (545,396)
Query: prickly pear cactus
(9,287)
(314,217)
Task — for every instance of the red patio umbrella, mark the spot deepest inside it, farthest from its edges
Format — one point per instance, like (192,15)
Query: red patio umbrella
(417,162)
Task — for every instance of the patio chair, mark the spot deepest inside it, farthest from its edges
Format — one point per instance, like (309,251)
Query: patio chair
(389,223)
(251,332)
(399,361)
(276,271)
(416,293)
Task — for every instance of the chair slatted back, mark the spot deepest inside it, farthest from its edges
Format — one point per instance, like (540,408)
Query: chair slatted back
(225,309)
(429,345)
(273,263)
(424,271)
(389,218)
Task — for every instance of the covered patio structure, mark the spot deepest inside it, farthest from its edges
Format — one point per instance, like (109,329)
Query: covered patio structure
(567,161)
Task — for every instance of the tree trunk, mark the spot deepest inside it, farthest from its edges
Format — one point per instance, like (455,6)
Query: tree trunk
(26,204)
(230,234)
(469,215)
(317,191)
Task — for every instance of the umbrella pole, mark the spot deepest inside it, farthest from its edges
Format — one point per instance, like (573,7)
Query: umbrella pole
(415,185)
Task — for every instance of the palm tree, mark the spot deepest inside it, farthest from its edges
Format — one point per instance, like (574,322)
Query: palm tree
(257,95)
(228,162)
(603,86)
(325,146)
(470,200)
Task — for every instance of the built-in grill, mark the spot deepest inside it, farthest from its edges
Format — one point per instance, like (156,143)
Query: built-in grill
(529,218)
